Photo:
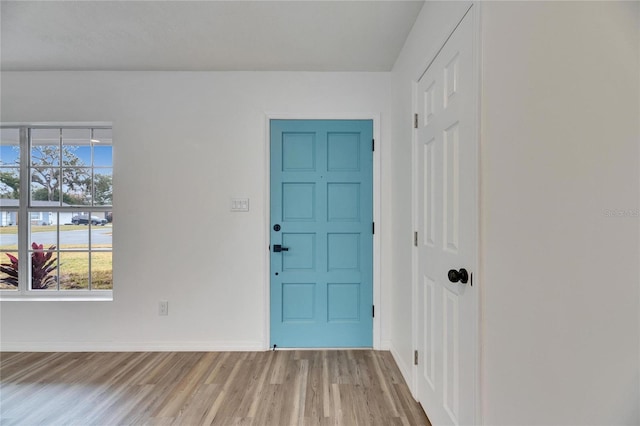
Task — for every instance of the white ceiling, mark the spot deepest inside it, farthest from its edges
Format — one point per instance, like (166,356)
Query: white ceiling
(204,35)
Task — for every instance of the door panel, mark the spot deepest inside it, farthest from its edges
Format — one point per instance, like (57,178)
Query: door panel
(446,188)
(322,199)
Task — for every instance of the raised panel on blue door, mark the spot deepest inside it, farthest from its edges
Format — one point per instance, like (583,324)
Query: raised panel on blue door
(343,151)
(343,302)
(343,251)
(301,252)
(343,202)
(298,301)
(298,201)
(298,152)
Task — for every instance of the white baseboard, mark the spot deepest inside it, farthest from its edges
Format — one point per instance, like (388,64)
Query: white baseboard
(385,345)
(234,346)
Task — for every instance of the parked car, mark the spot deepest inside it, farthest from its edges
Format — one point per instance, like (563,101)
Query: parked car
(83,219)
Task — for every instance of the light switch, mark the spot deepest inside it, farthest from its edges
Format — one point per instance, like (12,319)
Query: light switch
(239,204)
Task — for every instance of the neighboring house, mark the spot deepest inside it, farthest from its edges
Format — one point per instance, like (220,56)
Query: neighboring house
(9,218)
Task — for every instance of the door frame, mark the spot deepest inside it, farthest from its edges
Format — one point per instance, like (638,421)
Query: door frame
(475,9)
(377,207)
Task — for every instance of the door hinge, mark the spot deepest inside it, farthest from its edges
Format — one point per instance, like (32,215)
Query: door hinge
(415,120)
(373,227)
(373,311)
(415,357)
(373,144)
(415,238)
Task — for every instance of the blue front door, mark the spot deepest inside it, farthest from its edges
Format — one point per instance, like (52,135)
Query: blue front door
(321,233)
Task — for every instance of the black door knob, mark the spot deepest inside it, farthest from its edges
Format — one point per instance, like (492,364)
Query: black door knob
(462,276)
(277,248)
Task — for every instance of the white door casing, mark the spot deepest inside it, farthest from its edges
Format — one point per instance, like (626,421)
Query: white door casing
(446,218)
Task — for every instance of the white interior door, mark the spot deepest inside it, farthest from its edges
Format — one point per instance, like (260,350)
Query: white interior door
(447,232)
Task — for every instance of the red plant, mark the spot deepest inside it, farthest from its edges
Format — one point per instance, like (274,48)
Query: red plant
(42,265)
(11,269)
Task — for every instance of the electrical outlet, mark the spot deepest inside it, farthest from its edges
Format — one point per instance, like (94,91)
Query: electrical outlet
(163,307)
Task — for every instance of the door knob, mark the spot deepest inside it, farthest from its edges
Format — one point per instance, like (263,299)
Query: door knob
(277,248)
(462,276)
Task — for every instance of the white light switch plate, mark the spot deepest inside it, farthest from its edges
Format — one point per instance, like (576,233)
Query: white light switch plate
(239,204)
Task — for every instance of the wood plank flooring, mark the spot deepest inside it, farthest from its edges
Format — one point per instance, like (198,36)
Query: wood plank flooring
(334,387)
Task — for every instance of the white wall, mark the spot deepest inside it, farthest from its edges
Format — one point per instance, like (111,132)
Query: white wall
(559,149)
(184,144)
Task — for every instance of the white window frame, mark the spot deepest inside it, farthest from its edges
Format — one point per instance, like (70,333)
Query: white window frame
(24,211)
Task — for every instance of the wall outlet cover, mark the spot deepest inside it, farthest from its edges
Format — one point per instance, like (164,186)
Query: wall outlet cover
(163,307)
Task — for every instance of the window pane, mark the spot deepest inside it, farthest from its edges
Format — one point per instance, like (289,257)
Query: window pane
(41,221)
(8,228)
(76,186)
(43,239)
(103,187)
(45,186)
(42,231)
(10,186)
(8,270)
(101,271)
(102,233)
(44,265)
(8,218)
(73,236)
(74,270)
(9,147)
(102,136)
(76,147)
(103,155)
(45,147)
(9,171)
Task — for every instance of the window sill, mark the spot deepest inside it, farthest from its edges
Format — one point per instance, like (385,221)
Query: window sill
(103,296)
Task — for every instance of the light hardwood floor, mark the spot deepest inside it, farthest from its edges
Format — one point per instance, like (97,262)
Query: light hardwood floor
(348,387)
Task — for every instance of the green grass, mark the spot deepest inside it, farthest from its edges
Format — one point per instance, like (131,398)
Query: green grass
(74,271)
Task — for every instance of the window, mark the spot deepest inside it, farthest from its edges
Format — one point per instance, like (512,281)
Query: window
(56,203)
